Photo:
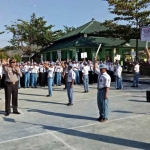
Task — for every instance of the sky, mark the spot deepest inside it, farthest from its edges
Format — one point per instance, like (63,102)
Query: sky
(56,12)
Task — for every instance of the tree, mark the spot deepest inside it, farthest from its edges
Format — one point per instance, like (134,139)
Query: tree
(30,36)
(134,12)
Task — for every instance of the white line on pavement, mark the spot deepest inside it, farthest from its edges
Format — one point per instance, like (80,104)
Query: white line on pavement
(62,130)
(62,141)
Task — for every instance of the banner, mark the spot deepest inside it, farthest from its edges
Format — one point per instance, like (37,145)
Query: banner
(59,54)
(84,55)
(145,33)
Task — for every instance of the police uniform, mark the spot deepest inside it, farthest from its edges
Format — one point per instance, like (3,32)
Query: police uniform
(70,81)
(103,82)
(85,72)
(11,88)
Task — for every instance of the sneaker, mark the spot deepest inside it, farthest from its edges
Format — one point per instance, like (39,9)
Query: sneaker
(99,119)
(48,95)
(16,112)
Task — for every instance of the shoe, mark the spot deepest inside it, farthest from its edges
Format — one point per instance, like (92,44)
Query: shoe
(48,95)
(104,120)
(132,86)
(84,92)
(16,112)
(69,104)
(87,91)
(7,114)
(137,86)
(99,119)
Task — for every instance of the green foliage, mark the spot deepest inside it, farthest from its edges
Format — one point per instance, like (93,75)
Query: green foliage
(17,57)
(3,55)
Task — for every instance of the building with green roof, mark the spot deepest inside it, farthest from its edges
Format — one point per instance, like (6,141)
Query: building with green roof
(87,38)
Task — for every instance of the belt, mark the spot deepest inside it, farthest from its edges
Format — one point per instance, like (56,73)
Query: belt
(102,88)
(11,82)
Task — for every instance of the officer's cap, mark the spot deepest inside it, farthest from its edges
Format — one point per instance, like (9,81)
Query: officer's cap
(103,66)
(12,61)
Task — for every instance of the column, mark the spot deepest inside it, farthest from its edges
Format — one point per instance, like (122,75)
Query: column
(68,54)
(44,56)
(51,57)
(103,54)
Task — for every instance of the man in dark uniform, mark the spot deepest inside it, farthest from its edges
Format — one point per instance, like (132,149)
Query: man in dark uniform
(11,86)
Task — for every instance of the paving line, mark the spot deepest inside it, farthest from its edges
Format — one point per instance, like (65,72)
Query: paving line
(77,127)
(62,141)
(74,101)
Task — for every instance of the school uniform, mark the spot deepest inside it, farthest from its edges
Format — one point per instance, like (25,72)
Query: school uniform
(42,71)
(50,79)
(76,70)
(70,78)
(103,82)
(58,71)
(118,77)
(136,75)
(34,73)
(85,72)
(27,76)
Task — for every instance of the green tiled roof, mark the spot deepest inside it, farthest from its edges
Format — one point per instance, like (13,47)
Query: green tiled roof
(90,27)
(92,41)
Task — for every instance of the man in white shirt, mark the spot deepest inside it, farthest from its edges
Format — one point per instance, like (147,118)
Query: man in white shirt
(136,75)
(103,86)
(118,76)
(42,71)
(58,70)
(27,75)
(70,84)
(85,77)
(50,71)
(34,73)
(76,68)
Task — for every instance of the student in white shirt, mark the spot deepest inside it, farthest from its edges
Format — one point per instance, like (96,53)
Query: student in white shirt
(85,77)
(27,75)
(136,75)
(34,72)
(118,76)
(70,84)
(76,68)
(103,86)
(50,71)
(58,71)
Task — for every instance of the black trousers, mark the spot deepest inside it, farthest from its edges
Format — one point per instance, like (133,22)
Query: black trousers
(91,77)
(11,90)
(0,82)
(42,79)
(3,81)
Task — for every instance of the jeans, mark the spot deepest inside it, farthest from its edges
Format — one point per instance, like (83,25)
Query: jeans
(136,79)
(77,77)
(27,79)
(50,82)
(70,92)
(118,83)
(58,78)
(102,104)
(33,80)
(86,82)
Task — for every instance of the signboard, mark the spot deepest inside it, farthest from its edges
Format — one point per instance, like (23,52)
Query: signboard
(59,54)
(145,33)
(84,55)
(117,57)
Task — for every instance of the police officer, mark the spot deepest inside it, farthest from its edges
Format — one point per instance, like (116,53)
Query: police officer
(103,85)
(11,86)
(85,77)
(70,84)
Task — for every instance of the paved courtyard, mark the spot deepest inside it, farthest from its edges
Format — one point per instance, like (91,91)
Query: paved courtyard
(48,124)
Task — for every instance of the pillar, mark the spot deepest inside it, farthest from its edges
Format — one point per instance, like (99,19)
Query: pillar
(68,54)
(44,56)
(51,57)
(103,54)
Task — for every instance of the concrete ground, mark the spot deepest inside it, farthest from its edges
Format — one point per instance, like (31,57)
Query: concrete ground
(48,124)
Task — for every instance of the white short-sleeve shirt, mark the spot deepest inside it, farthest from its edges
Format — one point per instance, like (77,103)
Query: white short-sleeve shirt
(137,68)
(85,70)
(50,72)
(71,75)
